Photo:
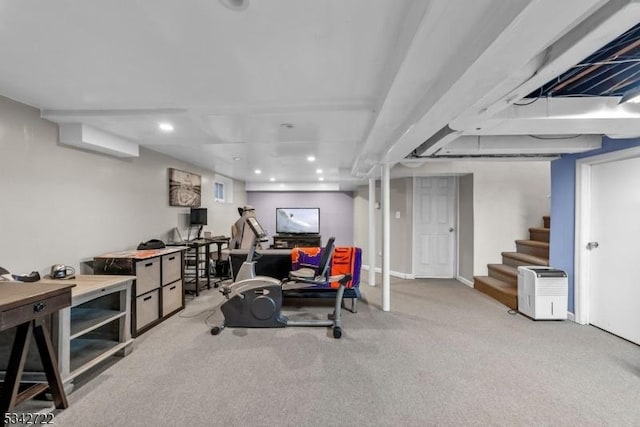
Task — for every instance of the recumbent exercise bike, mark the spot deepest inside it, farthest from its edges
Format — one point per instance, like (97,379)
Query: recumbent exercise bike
(256,301)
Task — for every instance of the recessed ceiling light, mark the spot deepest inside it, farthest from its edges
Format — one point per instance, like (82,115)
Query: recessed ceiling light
(165,127)
(311,158)
(257,171)
(318,170)
(272,179)
(321,179)
(236,158)
(236,4)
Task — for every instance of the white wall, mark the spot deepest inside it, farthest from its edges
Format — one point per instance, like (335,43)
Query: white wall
(336,211)
(508,198)
(65,205)
(401,225)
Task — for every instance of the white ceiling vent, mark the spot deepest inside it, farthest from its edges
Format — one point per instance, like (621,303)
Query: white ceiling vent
(90,138)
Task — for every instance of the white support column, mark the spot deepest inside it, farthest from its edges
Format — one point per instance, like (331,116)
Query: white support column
(372,232)
(386,235)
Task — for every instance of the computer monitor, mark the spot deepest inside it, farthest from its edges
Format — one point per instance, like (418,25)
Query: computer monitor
(198,216)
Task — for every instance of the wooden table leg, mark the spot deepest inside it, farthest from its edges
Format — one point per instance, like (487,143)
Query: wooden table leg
(50,364)
(15,367)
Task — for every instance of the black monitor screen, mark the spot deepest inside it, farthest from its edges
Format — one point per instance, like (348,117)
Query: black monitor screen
(198,216)
(298,220)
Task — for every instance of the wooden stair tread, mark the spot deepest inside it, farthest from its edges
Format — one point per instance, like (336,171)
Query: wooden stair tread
(532,260)
(540,234)
(540,229)
(504,269)
(535,243)
(498,284)
(502,282)
(506,293)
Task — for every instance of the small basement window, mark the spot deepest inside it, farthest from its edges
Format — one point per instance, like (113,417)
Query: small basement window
(222,189)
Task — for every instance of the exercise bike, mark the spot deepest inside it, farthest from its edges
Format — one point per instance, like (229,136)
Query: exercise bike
(256,301)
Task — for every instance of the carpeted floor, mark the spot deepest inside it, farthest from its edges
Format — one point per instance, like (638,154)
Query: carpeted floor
(445,355)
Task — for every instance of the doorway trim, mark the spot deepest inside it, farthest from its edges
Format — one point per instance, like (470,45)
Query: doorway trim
(582,257)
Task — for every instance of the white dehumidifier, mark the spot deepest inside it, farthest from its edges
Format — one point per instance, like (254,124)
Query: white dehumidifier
(542,292)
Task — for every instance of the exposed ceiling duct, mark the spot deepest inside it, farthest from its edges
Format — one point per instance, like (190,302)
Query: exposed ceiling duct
(524,146)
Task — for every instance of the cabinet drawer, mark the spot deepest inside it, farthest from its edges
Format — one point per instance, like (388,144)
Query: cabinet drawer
(171,268)
(147,275)
(171,297)
(147,308)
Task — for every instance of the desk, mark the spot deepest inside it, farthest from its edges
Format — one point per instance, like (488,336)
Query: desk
(193,262)
(24,305)
(219,241)
(199,259)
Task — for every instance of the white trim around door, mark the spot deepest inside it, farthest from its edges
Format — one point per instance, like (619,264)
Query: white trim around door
(582,262)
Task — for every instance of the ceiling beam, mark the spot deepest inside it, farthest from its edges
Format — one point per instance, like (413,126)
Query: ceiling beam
(517,44)
(499,47)
(596,31)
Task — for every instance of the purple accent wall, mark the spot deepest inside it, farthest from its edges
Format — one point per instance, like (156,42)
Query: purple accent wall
(336,211)
(563,207)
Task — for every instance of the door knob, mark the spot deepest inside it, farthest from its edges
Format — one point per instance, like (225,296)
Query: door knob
(450,229)
(592,245)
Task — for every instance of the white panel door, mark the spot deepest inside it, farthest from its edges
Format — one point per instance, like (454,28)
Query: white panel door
(614,291)
(434,220)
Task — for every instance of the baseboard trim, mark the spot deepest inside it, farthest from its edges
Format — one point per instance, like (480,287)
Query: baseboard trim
(397,274)
(366,267)
(401,275)
(571,316)
(464,281)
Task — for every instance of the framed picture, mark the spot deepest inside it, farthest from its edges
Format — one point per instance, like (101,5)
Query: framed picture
(184,188)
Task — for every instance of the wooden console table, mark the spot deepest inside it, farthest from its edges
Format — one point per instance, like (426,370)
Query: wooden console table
(290,241)
(96,326)
(25,305)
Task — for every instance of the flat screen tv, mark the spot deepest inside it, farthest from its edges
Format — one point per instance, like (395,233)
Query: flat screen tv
(298,220)
(198,216)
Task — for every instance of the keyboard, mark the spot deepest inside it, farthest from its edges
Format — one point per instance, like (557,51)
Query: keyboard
(217,238)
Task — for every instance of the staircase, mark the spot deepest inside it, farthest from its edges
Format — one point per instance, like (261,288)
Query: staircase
(502,282)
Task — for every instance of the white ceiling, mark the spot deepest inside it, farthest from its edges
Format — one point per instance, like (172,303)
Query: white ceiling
(353,83)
